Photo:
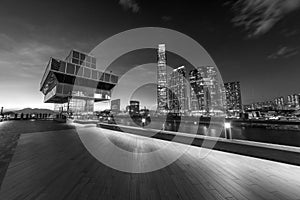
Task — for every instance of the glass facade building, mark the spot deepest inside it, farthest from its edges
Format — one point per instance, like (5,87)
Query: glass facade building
(178,91)
(162,99)
(207,91)
(74,84)
(233,97)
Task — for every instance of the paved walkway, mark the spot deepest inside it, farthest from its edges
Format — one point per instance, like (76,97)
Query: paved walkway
(55,165)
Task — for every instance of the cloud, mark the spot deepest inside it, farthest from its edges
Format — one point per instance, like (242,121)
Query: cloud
(25,59)
(130,5)
(284,52)
(257,17)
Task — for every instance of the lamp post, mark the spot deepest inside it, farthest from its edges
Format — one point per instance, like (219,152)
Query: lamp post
(143,122)
(227,125)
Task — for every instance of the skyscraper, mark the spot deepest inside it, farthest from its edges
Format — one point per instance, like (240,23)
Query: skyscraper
(293,101)
(233,97)
(197,96)
(162,98)
(279,103)
(206,91)
(178,90)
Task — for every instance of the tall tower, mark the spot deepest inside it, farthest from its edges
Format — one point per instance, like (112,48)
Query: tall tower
(233,97)
(162,79)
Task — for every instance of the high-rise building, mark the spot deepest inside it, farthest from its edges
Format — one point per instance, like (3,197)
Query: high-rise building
(279,103)
(197,95)
(233,97)
(162,99)
(178,91)
(293,101)
(74,84)
(207,91)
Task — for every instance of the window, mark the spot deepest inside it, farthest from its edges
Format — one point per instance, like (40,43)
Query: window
(62,67)
(70,68)
(59,89)
(94,74)
(87,64)
(94,60)
(80,71)
(82,56)
(100,76)
(106,77)
(67,89)
(88,59)
(55,64)
(76,54)
(76,69)
(75,61)
(114,79)
(87,73)
(93,66)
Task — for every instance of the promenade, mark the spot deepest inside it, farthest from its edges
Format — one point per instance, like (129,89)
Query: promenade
(56,165)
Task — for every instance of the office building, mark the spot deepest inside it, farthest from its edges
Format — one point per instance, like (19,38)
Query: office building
(279,103)
(74,84)
(233,97)
(207,91)
(178,91)
(293,101)
(197,95)
(162,99)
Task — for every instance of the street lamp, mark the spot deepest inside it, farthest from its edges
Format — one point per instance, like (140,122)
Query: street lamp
(227,125)
(143,122)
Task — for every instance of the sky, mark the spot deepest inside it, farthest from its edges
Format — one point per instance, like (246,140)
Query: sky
(255,42)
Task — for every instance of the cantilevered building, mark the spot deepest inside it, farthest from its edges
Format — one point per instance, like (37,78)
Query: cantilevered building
(74,84)
(162,99)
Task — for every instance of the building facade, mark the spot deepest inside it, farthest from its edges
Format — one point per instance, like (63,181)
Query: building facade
(74,84)
(207,91)
(197,92)
(162,99)
(279,103)
(178,98)
(233,97)
(293,101)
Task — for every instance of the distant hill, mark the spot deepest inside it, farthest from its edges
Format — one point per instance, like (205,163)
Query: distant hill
(31,111)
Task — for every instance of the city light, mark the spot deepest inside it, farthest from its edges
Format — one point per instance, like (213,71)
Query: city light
(143,120)
(227,125)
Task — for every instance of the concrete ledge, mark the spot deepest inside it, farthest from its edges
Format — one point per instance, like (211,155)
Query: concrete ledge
(279,153)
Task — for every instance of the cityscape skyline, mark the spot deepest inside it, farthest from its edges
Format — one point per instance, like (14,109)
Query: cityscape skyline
(260,56)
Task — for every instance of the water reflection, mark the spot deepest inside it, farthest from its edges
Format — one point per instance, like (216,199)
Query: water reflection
(258,134)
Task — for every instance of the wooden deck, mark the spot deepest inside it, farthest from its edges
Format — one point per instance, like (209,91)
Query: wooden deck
(55,165)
